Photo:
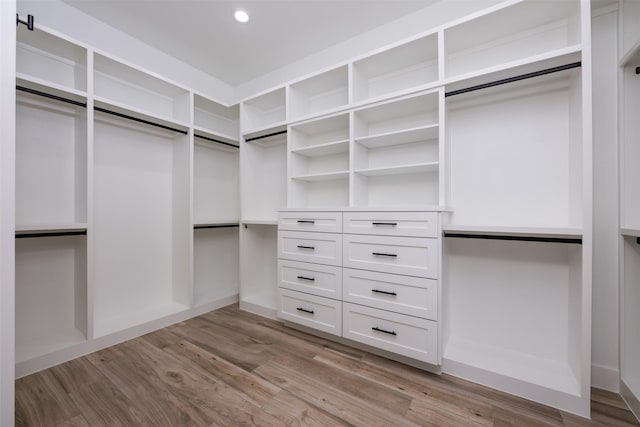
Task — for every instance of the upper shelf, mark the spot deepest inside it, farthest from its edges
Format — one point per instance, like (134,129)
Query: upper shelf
(322,93)
(52,60)
(540,232)
(216,119)
(262,112)
(136,90)
(512,33)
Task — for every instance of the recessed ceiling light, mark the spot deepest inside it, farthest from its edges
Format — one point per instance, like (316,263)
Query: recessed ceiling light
(241,16)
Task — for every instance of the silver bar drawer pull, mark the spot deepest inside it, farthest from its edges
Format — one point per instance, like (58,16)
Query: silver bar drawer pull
(392,224)
(384,331)
(382,254)
(306,221)
(304,310)
(311,279)
(377,291)
(306,247)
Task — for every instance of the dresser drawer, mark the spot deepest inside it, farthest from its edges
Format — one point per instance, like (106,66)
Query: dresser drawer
(321,248)
(414,296)
(316,279)
(412,256)
(315,312)
(409,336)
(326,222)
(409,224)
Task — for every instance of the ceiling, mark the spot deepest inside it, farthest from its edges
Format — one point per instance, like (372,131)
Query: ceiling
(204,34)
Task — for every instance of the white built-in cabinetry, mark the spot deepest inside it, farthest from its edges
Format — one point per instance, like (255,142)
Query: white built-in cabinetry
(127,212)
(629,149)
(488,120)
(483,123)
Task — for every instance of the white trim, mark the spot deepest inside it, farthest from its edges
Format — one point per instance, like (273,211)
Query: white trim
(605,378)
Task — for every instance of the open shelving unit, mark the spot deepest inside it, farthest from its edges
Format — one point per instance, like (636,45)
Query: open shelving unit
(319,94)
(503,37)
(396,152)
(258,269)
(404,67)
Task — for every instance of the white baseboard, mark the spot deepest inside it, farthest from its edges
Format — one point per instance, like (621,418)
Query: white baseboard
(605,378)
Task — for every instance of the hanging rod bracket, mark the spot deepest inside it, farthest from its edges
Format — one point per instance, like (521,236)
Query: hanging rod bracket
(28,22)
(637,70)
(638,240)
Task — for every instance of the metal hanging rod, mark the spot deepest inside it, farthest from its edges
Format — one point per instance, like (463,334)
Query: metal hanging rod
(48,95)
(265,136)
(515,78)
(52,234)
(135,119)
(577,241)
(216,141)
(28,22)
(203,226)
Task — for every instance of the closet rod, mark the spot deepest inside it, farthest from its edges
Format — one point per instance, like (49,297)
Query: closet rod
(135,119)
(216,141)
(265,136)
(48,95)
(52,234)
(515,78)
(203,226)
(515,238)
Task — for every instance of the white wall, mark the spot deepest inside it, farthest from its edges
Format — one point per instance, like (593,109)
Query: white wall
(605,362)
(405,27)
(69,21)
(7,162)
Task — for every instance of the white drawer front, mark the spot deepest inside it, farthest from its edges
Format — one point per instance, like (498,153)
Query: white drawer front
(409,336)
(316,279)
(411,256)
(321,248)
(315,312)
(414,296)
(326,222)
(409,224)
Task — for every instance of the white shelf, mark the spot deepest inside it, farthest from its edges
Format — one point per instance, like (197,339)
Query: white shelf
(516,32)
(399,68)
(403,136)
(399,115)
(492,361)
(327,149)
(632,232)
(329,176)
(215,118)
(104,327)
(207,133)
(137,91)
(273,135)
(259,222)
(51,60)
(216,264)
(216,222)
(129,110)
(543,232)
(398,170)
(49,228)
(318,132)
(51,88)
(263,112)
(319,94)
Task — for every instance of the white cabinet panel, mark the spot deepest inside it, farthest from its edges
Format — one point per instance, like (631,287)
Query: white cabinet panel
(410,224)
(323,314)
(322,248)
(402,294)
(328,222)
(316,279)
(405,335)
(400,255)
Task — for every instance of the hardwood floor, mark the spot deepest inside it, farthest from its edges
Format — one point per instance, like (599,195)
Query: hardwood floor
(231,368)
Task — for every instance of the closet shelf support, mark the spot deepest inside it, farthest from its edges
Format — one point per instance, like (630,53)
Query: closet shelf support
(28,22)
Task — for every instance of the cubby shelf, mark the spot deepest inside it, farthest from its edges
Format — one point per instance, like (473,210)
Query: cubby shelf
(266,111)
(216,119)
(329,176)
(327,149)
(399,170)
(403,136)
(319,94)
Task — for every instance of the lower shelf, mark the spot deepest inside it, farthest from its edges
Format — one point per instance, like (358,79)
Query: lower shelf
(115,324)
(264,304)
(473,356)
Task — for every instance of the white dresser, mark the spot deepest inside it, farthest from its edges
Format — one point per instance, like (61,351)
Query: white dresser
(370,277)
